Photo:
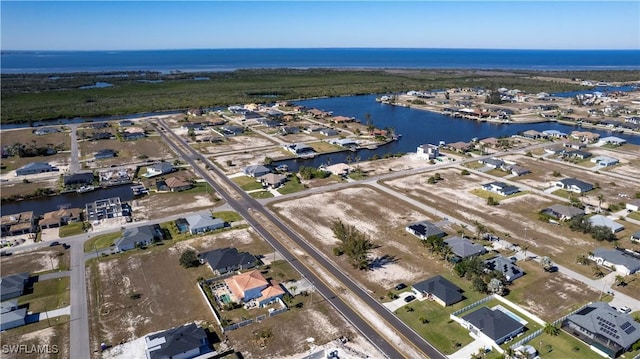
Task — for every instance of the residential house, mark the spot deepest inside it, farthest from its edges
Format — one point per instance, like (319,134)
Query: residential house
(461,147)
(158,169)
(12,286)
(328,132)
(612,140)
(273,180)
(269,123)
(194,112)
(226,260)
(605,161)
(185,342)
(500,188)
(633,205)
(506,266)
(125,123)
(428,152)
(300,149)
(464,248)
(182,225)
(490,142)
(96,136)
(600,220)
(555,134)
(532,134)
(438,289)
(270,294)
(132,133)
(138,237)
(104,208)
(78,179)
(203,222)
(344,142)
(626,262)
(288,130)
(45,131)
(342,119)
(60,217)
(516,170)
(635,237)
(491,326)
(585,136)
(10,315)
(574,145)
(577,154)
(492,162)
(562,212)
(35,168)
(339,169)
(18,223)
(424,230)
(177,184)
(256,171)
(603,328)
(573,185)
(193,126)
(555,150)
(253,286)
(228,131)
(104,154)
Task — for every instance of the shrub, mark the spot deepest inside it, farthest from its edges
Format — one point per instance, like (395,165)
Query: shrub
(189,259)
(465,172)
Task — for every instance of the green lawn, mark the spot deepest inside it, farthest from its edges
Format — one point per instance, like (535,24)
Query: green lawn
(634,215)
(283,271)
(247,183)
(324,147)
(562,346)
(71,229)
(474,165)
(292,185)
(496,172)
(357,175)
(100,242)
(562,193)
(261,194)
(199,187)
(486,194)
(228,216)
(47,295)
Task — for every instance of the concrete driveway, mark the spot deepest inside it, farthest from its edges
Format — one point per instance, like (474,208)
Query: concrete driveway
(468,350)
(399,303)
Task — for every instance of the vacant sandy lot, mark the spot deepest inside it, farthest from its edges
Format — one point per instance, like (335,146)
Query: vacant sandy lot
(241,160)
(36,261)
(57,335)
(237,143)
(402,256)
(165,204)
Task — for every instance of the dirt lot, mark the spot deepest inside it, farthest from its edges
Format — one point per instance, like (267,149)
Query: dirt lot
(161,205)
(20,188)
(243,159)
(55,338)
(244,142)
(26,136)
(402,257)
(407,162)
(42,260)
(145,148)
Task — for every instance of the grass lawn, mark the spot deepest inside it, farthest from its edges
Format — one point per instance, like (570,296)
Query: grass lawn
(283,271)
(562,193)
(562,346)
(47,295)
(71,229)
(323,147)
(634,215)
(474,165)
(228,216)
(486,194)
(199,187)
(291,186)
(357,175)
(100,242)
(247,183)
(496,172)
(261,194)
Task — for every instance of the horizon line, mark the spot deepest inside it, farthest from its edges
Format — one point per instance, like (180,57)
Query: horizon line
(316,48)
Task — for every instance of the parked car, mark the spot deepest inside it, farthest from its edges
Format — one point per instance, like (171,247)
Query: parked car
(66,246)
(409,298)
(54,243)
(401,286)
(624,310)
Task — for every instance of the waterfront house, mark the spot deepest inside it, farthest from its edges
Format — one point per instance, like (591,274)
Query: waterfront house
(318,113)
(273,180)
(177,184)
(500,188)
(555,134)
(490,142)
(605,161)
(438,289)
(625,261)
(600,220)
(138,237)
(226,260)
(104,154)
(256,171)
(187,341)
(461,147)
(573,185)
(584,136)
(12,286)
(339,169)
(603,328)
(464,248)
(424,230)
(532,134)
(428,152)
(612,140)
(343,142)
(203,222)
(45,131)
(300,149)
(103,209)
(505,266)
(342,119)
(562,212)
(35,168)
(78,179)
(60,217)
(491,326)
(158,169)
(17,224)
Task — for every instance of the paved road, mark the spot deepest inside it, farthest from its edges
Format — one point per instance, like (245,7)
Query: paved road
(54,275)
(79,336)
(245,204)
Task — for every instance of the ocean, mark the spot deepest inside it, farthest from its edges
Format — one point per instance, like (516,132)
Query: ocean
(13,62)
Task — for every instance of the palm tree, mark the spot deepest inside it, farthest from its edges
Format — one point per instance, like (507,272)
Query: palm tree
(551,330)
(480,228)
(524,249)
(619,281)
(600,198)
(597,272)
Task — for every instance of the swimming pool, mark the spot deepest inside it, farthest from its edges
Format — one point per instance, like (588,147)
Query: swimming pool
(225,298)
(510,314)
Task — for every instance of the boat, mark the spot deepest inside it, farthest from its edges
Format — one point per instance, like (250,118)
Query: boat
(84,189)
(282,168)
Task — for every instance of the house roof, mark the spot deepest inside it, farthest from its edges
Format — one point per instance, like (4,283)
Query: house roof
(273,290)
(463,247)
(104,152)
(613,139)
(441,288)
(504,265)
(202,220)
(13,315)
(170,343)
(137,235)
(79,178)
(55,216)
(600,220)
(493,161)
(241,283)
(565,211)
(273,178)
(519,169)
(13,282)
(174,182)
(163,167)
(338,168)
(601,319)
(256,170)
(583,186)
(8,305)
(34,166)
(635,202)
(227,257)
(605,159)
(619,257)
(426,229)
(502,186)
(493,323)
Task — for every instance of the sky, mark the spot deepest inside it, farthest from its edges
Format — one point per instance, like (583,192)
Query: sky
(124,25)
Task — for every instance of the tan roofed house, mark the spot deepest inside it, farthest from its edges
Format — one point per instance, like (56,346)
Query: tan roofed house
(177,184)
(16,224)
(247,286)
(271,293)
(339,169)
(459,146)
(342,119)
(60,217)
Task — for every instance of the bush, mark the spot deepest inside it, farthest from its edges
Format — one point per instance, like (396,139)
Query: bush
(189,259)
(492,201)
(465,172)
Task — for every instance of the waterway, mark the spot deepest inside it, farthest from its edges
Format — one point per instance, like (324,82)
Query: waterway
(40,206)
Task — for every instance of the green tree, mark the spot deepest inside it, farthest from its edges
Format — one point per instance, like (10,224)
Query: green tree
(268,161)
(620,281)
(492,201)
(189,259)
(551,329)
(465,172)
(355,244)
(479,285)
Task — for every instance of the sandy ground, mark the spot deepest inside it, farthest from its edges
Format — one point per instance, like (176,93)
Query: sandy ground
(244,159)
(151,207)
(238,143)
(407,162)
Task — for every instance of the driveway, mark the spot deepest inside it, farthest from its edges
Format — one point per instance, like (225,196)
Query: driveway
(468,350)
(399,303)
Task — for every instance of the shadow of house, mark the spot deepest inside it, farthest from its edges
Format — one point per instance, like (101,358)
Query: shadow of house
(188,341)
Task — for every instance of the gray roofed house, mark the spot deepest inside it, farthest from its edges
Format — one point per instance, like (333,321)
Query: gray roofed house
(600,220)
(13,318)
(256,170)
(9,305)
(602,327)
(493,324)
(203,222)
(574,185)
(635,237)
(187,341)
(159,168)
(439,289)
(562,212)
(227,260)
(500,188)
(34,168)
(138,236)
(105,153)
(273,180)
(78,178)
(625,261)
(464,248)
(605,161)
(506,266)
(425,229)
(517,170)
(328,132)
(633,205)
(613,140)
(492,162)
(12,286)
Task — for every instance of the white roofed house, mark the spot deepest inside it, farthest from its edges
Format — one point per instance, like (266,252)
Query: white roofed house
(599,220)
(574,185)
(605,161)
(428,152)
(256,171)
(203,222)
(500,188)
(612,140)
(625,262)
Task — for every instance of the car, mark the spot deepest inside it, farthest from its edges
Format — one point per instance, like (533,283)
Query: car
(54,243)
(513,259)
(551,269)
(409,298)
(66,246)
(624,310)
(400,286)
